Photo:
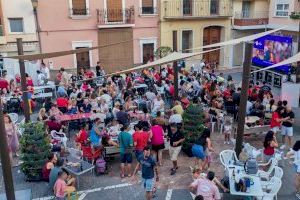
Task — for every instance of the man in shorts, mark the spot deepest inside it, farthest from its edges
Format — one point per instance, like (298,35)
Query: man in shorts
(288,118)
(148,164)
(176,139)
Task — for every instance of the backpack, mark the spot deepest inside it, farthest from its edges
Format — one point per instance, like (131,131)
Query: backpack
(100,166)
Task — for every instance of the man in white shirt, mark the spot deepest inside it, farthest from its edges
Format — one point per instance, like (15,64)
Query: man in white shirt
(45,70)
(106,97)
(40,78)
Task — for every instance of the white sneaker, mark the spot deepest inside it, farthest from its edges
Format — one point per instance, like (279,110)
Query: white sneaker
(228,142)
(282,147)
(225,142)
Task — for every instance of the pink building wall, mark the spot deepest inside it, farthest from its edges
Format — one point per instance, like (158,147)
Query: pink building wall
(58,30)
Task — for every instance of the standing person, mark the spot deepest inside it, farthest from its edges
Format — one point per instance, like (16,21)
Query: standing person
(176,139)
(126,145)
(45,70)
(95,133)
(270,144)
(64,76)
(205,187)
(49,164)
(40,78)
(147,162)
(275,120)
(296,164)
(288,119)
(157,141)
(227,129)
(140,139)
(12,138)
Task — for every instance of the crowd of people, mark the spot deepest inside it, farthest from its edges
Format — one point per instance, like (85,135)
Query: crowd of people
(137,113)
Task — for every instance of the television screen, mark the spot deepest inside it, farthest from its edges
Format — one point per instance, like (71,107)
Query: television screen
(272,49)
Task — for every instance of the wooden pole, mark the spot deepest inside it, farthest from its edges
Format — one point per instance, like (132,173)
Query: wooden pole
(176,71)
(244,98)
(5,160)
(23,81)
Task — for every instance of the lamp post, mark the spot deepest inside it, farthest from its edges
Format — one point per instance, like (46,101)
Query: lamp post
(35,4)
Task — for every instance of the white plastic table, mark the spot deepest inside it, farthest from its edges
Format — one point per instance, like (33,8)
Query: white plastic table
(255,190)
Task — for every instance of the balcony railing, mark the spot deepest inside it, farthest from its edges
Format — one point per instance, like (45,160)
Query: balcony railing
(251,18)
(197,8)
(115,16)
(79,11)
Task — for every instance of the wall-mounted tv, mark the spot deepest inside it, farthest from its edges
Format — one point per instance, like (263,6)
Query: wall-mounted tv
(272,49)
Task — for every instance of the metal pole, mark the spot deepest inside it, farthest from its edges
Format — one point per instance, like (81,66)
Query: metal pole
(38,29)
(244,98)
(5,160)
(175,69)
(23,81)
(298,63)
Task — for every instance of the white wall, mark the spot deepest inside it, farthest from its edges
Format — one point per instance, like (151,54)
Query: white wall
(19,9)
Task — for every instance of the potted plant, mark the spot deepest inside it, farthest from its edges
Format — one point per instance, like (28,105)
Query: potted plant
(193,126)
(35,147)
(295,15)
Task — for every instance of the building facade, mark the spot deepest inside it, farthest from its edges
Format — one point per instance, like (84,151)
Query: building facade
(126,31)
(188,24)
(17,21)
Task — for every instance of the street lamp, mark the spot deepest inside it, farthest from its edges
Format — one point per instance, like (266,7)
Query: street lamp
(35,4)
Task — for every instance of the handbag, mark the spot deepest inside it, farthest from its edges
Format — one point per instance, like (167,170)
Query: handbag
(128,149)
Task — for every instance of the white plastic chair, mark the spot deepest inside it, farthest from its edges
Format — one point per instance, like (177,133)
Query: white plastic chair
(278,173)
(212,122)
(14,117)
(60,136)
(19,128)
(76,153)
(266,174)
(228,157)
(274,186)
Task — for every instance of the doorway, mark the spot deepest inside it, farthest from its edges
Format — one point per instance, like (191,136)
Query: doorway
(246,9)
(187,6)
(187,41)
(82,59)
(148,52)
(114,11)
(211,35)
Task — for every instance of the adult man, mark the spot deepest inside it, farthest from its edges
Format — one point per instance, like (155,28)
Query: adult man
(205,186)
(122,116)
(64,76)
(176,139)
(288,119)
(40,78)
(148,164)
(45,70)
(95,133)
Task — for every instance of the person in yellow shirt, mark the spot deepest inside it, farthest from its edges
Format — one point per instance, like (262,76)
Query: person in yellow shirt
(178,108)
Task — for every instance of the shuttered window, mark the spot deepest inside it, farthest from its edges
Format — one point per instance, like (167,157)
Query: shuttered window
(114,11)
(147,7)
(79,7)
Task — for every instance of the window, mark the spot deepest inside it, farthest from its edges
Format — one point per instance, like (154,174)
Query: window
(79,7)
(187,41)
(16,25)
(148,7)
(282,10)
(174,40)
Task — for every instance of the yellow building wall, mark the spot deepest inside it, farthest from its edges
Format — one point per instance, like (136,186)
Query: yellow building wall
(197,26)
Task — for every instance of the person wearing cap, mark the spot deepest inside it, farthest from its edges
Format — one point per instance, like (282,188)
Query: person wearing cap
(148,165)
(176,139)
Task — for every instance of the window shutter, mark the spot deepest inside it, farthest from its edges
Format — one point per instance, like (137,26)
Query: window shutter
(114,10)
(78,4)
(147,3)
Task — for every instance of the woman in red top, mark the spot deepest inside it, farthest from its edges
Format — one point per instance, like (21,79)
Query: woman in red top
(49,164)
(140,139)
(62,104)
(82,136)
(29,80)
(270,144)
(275,120)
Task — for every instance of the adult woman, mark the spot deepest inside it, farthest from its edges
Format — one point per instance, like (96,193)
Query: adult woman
(42,116)
(270,108)
(140,139)
(49,164)
(128,103)
(12,85)
(296,152)
(275,120)
(199,152)
(206,135)
(157,141)
(270,144)
(54,111)
(12,138)
(146,116)
(158,105)
(82,136)
(29,80)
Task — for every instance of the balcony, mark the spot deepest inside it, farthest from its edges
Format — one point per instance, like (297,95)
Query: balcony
(194,9)
(251,18)
(115,17)
(295,15)
(79,13)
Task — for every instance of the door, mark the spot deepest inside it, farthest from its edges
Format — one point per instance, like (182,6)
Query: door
(212,35)
(114,11)
(187,41)
(148,52)
(82,59)
(246,9)
(119,56)
(187,7)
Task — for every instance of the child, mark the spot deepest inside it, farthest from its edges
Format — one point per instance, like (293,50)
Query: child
(61,187)
(227,129)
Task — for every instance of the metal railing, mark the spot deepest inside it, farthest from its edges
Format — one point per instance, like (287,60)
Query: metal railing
(251,15)
(197,8)
(148,10)
(79,11)
(115,16)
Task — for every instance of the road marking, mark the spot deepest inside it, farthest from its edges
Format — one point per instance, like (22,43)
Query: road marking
(169,194)
(83,193)
(81,197)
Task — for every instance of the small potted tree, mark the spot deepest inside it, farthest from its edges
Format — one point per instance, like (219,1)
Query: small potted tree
(35,146)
